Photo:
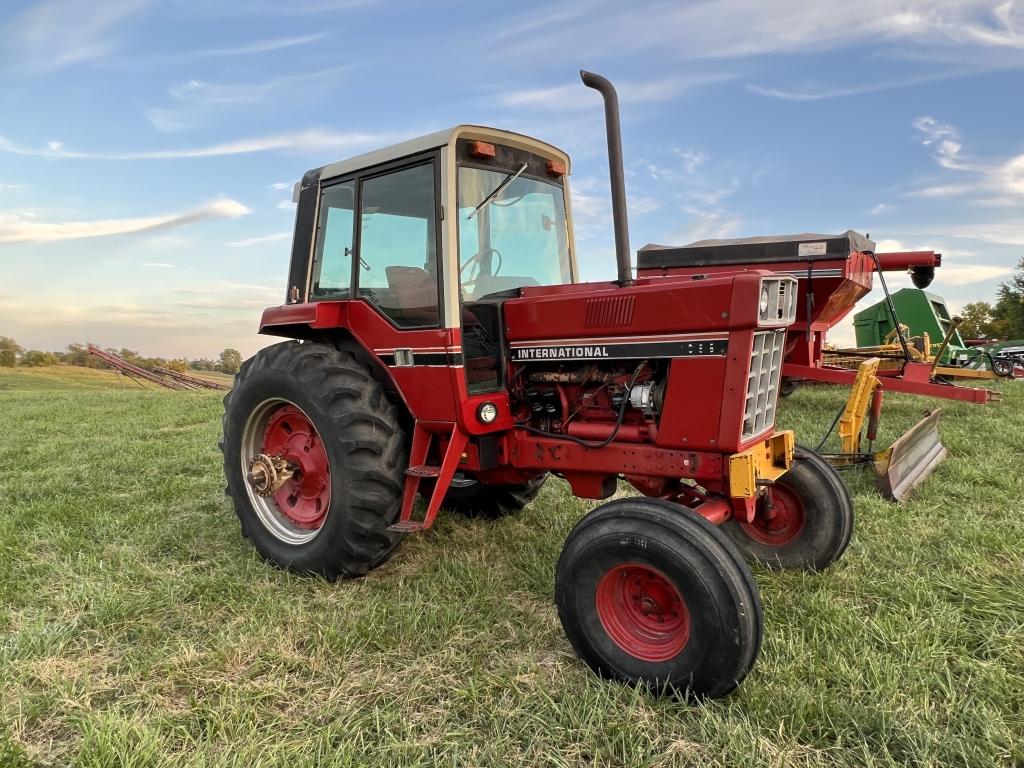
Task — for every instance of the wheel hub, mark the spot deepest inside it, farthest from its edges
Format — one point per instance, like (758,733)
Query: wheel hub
(302,492)
(643,612)
(781,522)
(268,473)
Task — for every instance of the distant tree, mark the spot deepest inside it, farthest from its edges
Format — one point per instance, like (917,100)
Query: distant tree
(7,344)
(230,361)
(203,364)
(179,365)
(33,358)
(78,354)
(1008,312)
(7,358)
(977,321)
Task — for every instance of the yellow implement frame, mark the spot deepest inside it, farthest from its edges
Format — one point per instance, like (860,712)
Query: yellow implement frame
(904,464)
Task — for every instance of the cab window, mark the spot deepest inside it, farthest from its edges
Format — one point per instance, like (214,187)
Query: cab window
(397,262)
(332,258)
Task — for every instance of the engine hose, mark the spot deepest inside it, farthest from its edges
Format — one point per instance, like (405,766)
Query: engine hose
(839,415)
(615,431)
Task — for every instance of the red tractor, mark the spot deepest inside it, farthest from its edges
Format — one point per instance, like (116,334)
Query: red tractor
(444,346)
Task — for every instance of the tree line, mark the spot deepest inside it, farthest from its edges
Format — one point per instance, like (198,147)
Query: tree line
(1003,319)
(13,354)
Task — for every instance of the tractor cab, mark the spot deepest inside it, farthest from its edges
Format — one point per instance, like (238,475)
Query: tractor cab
(432,235)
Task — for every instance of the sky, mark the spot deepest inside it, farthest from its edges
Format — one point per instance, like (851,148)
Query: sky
(148,147)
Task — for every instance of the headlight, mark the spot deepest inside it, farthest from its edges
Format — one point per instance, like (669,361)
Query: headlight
(487,412)
(776,306)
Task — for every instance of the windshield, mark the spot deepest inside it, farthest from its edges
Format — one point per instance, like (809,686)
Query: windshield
(517,239)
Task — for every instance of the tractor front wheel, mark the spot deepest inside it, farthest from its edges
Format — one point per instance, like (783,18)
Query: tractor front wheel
(489,500)
(314,458)
(809,522)
(650,593)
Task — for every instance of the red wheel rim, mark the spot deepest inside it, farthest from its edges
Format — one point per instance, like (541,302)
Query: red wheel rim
(643,612)
(785,524)
(306,497)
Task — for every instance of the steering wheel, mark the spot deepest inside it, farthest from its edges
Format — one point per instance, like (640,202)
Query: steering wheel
(466,274)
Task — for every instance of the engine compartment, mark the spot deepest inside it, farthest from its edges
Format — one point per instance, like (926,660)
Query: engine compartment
(591,403)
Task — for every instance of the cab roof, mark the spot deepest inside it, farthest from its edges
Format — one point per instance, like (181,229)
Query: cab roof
(423,144)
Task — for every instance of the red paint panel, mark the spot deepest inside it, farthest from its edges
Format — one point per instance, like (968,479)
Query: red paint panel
(661,306)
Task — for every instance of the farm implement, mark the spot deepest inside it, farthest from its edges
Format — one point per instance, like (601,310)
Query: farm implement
(834,272)
(163,377)
(903,465)
(442,346)
(922,318)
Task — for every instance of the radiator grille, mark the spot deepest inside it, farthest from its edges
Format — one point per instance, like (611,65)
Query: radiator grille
(763,382)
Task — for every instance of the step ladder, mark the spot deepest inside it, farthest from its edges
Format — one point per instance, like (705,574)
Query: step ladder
(419,469)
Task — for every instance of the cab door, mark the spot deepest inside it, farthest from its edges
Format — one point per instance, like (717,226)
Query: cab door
(378,245)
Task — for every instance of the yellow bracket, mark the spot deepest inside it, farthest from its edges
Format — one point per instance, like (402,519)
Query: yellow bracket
(851,424)
(768,460)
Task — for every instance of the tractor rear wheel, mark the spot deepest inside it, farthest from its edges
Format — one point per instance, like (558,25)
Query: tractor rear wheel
(650,593)
(314,420)
(490,500)
(809,524)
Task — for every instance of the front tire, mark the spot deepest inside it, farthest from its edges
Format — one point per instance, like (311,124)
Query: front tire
(324,413)
(650,593)
(490,500)
(811,523)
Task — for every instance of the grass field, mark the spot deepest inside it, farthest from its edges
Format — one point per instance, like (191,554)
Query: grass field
(138,627)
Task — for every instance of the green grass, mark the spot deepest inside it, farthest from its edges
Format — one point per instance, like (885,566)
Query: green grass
(139,628)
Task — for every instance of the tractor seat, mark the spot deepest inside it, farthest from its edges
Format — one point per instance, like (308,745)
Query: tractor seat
(415,294)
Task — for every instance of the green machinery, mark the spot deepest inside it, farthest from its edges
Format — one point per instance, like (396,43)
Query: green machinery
(922,313)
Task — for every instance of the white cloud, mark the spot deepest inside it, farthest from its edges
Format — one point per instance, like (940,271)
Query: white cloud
(271,238)
(575,96)
(708,225)
(946,140)
(159,264)
(194,98)
(1004,233)
(312,140)
(54,34)
(257,46)
(285,205)
(27,227)
(733,28)
(880,208)
(278,186)
(992,182)
(968,274)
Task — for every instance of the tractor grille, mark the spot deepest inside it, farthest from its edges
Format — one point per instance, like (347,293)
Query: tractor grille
(763,382)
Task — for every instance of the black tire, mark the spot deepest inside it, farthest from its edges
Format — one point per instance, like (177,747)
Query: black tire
(490,501)
(826,525)
(364,444)
(1002,367)
(715,584)
(788,386)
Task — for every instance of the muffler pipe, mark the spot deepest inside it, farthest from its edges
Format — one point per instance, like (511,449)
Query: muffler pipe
(618,177)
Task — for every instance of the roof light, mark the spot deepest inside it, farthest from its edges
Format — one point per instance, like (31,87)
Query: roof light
(556,167)
(481,149)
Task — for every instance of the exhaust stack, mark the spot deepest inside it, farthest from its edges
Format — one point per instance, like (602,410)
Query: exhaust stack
(618,178)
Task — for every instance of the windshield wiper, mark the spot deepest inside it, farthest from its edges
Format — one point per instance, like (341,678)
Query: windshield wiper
(505,182)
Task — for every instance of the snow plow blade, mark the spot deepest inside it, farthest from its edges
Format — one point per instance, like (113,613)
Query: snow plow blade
(911,459)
